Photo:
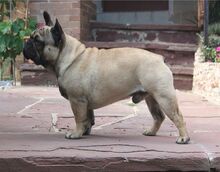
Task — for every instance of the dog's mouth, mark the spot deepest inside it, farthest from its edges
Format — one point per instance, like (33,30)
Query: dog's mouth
(33,50)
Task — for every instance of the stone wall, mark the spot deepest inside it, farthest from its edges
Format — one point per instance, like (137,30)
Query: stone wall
(206,80)
(74,15)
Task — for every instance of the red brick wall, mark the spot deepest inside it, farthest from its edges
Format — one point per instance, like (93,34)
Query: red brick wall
(74,15)
(88,12)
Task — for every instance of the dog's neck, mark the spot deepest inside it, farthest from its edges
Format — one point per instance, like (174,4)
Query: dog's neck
(68,55)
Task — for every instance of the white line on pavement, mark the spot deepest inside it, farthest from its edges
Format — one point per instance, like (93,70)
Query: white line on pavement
(28,106)
(117,121)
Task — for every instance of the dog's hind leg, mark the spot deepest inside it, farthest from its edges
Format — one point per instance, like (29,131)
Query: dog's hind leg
(168,102)
(157,115)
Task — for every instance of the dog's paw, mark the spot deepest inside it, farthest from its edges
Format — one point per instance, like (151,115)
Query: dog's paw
(73,135)
(183,140)
(149,133)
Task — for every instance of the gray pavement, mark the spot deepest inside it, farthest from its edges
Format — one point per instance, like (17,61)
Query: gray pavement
(29,140)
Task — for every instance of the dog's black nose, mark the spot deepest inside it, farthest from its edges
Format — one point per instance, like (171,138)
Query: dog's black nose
(24,53)
(28,49)
(25,47)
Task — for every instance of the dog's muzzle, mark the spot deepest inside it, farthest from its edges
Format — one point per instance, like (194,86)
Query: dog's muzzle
(32,50)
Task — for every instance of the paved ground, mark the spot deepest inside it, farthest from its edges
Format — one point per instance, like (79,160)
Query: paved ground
(29,141)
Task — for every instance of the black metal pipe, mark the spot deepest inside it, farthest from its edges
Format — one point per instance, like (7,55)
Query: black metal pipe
(206,21)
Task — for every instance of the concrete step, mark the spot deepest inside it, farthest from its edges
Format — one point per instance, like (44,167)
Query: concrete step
(110,32)
(34,75)
(157,27)
(183,77)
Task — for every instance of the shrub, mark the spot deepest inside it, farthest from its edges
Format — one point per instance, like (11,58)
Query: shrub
(209,53)
(12,34)
(209,50)
(214,41)
(214,29)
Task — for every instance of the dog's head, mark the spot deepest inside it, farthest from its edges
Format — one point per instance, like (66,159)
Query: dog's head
(45,43)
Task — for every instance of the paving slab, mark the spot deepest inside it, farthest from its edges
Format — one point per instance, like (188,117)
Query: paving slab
(29,141)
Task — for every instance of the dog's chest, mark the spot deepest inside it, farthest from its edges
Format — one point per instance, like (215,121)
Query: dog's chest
(63,92)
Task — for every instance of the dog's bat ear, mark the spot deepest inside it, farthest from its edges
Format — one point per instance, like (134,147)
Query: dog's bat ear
(47,19)
(58,34)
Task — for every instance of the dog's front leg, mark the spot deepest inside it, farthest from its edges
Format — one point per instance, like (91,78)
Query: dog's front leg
(79,108)
(91,118)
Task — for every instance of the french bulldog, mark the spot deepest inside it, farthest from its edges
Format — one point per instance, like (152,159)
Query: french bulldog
(91,78)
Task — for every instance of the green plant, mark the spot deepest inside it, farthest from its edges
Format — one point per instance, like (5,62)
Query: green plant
(12,34)
(214,29)
(209,53)
(214,41)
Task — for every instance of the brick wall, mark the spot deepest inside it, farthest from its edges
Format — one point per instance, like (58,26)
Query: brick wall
(88,12)
(74,15)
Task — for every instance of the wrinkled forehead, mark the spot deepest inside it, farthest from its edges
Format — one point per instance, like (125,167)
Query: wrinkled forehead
(43,34)
(44,30)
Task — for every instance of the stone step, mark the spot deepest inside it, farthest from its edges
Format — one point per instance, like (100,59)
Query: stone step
(150,46)
(156,27)
(110,32)
(183,77)
(34,75)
